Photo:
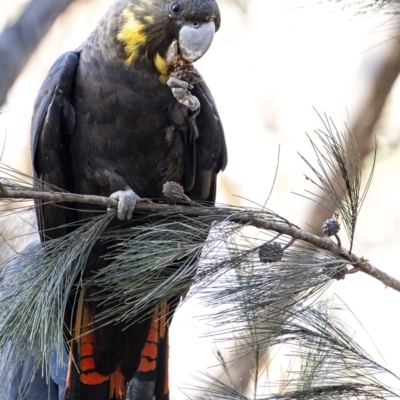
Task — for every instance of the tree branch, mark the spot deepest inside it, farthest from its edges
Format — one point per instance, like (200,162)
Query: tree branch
(359,263)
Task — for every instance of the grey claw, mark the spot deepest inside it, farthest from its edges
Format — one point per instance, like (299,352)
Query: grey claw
(175,83)
(194,77)
(126,203)
(192,103)
(180,90)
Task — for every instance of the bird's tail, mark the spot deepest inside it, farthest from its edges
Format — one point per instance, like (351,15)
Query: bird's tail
(149,382)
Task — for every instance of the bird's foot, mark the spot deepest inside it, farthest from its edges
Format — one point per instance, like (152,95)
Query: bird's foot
(126,203)
(181,91)
(183,70)
(191,75)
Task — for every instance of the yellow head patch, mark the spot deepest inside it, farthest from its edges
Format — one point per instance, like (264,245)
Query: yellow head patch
(149,19)
(163,68)
(132,35)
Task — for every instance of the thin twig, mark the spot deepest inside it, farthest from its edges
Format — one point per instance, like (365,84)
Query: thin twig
(256,372)
(326,244)
(359,263)
(339,242)
(56,197)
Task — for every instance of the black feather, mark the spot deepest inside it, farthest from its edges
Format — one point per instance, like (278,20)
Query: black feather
(100,126)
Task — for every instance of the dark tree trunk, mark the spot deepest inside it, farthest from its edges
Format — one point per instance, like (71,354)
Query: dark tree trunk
(379,73)
(19,40)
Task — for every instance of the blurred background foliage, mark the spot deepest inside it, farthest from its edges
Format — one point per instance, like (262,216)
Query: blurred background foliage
(270,64)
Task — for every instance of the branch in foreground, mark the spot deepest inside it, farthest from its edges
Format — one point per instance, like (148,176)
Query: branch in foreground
(284,228)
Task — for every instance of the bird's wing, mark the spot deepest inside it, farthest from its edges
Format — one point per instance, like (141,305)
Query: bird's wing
(211,153)
(53,122)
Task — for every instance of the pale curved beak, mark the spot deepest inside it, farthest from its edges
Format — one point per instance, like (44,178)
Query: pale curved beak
(195,40)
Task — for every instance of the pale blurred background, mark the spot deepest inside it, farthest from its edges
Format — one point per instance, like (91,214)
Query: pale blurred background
(270,64)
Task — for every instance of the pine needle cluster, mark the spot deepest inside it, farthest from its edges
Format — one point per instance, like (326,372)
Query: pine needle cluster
(174,252)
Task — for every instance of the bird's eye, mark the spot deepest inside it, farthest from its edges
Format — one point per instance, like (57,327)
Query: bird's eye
(176,8)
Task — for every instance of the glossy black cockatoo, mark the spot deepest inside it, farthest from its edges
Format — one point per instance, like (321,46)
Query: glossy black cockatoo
(120,116)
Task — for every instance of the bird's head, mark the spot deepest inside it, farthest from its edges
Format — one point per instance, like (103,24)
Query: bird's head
(160,30)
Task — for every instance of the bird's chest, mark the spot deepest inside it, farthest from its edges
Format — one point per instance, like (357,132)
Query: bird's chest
(136,130)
